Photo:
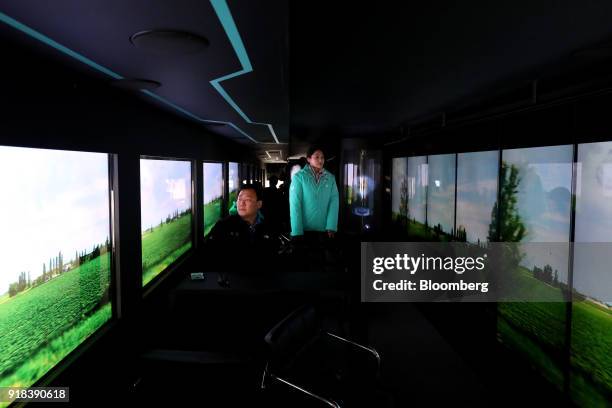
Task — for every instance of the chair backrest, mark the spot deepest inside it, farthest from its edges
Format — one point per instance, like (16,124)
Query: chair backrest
(292,334)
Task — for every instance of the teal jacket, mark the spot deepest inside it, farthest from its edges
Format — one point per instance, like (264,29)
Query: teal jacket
(313,206)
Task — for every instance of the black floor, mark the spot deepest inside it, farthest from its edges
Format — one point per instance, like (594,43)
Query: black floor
(210,351)
(419,366)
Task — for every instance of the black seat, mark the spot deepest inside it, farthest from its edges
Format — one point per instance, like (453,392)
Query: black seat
(311,366)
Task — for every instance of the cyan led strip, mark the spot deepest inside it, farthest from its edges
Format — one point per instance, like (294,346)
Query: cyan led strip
(79,57)
(227,21)
(44,39)
(191,115)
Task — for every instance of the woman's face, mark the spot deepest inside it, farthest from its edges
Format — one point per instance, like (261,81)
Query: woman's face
(317,160)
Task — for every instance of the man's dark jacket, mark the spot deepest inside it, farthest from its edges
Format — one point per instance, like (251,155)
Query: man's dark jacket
(233,243)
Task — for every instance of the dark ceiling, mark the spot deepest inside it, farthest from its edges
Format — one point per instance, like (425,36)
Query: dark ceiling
(317,69)
(251,103)
(366,68)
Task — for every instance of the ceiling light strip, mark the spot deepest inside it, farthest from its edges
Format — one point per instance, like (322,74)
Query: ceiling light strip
(227,21)
(81,58)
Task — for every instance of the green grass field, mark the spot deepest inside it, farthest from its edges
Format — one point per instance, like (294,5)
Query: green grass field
(536,329)
(40,326)
(418,232)
(527,287)
(349,195)
(398,217)
(233,196)
(164,245)
(591,354)
(212,214)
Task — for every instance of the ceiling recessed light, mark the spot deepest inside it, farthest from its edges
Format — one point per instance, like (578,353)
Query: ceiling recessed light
(169,42)
(136,84)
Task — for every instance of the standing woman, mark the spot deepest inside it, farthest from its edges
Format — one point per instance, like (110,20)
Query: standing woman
(313,198)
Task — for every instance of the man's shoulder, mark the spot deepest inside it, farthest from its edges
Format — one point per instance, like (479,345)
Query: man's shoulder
(232,218)
(227,223)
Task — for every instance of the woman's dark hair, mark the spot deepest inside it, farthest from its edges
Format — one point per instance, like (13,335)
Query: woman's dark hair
(313,149)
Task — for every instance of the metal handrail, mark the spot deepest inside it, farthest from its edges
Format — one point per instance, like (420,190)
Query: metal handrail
(329,402)
(368,349)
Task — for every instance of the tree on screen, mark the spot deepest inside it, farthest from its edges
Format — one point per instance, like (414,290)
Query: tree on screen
(506,222)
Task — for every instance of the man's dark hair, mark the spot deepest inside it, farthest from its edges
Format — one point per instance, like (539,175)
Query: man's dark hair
(313,149)
(255,187)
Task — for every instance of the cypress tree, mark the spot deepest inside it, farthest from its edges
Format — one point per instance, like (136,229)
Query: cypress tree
(506,223)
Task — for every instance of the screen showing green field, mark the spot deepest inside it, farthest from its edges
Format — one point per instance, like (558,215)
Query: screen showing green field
(416,175)
(399,189)
(591,338)
(477,174)
(350,174)
(213,194)
(55,275)
(165,197)
(233,181)
(441,192)
(535,197)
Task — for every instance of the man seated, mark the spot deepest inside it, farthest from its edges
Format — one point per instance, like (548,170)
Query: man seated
(244,236)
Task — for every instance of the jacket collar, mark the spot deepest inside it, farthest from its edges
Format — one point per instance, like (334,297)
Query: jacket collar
(258,219)
(308,169)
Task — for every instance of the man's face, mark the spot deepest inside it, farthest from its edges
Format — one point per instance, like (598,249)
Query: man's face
(248,203)
(317,160)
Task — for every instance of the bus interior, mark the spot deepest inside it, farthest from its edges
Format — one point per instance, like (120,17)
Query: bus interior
(128,128)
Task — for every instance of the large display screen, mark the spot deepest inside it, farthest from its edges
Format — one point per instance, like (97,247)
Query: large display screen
(399,189)
(477,175)
(417,188)
(233,181)
(213,194)
(533,204)
(441,193)
(55,240)
(591,338)
(165,198)
(350,171)
(535,195)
